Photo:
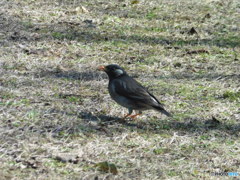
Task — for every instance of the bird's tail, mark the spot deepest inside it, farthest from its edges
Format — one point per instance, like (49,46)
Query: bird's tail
(162,110)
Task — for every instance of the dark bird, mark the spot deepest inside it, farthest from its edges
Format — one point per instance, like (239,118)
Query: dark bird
(129,93)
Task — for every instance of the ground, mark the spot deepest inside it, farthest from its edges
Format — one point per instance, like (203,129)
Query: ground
(57,120)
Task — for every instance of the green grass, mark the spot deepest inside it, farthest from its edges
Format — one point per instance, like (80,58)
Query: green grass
(232,96)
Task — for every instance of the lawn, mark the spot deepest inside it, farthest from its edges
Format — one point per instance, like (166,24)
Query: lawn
(57,120)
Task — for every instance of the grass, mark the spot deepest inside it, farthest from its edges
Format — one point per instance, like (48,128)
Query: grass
(57,120)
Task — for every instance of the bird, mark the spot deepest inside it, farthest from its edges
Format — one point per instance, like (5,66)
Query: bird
(129,93)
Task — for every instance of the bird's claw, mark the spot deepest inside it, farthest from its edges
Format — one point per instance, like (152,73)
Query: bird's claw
(131,116)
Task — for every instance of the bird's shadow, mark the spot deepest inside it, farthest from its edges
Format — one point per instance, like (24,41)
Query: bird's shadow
(189,125)
(105,119)
(111,125)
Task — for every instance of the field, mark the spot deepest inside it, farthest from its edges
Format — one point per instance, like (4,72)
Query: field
(57,120)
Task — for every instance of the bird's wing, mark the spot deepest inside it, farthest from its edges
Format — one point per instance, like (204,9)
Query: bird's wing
(130,88)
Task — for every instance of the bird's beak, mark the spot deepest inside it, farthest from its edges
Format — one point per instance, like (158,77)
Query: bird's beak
(101,68)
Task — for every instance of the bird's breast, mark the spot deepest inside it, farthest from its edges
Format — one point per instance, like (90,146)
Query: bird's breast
(123,101)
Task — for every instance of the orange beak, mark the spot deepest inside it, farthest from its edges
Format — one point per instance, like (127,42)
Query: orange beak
(101,68)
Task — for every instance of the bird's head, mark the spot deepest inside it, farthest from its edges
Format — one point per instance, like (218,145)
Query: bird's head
(112,70)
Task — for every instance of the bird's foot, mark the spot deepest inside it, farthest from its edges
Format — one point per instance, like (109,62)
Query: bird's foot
(131,116)
(125,116)
(134,116)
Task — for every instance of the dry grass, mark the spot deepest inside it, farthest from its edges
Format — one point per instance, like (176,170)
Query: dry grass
(57,120)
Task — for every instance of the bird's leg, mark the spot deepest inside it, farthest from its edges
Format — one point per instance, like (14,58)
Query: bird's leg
(129,114)
(126,115)
(135,115)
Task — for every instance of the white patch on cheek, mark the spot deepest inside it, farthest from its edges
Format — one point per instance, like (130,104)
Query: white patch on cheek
(118,72)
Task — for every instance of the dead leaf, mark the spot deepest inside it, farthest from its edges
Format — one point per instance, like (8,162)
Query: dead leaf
(192,31)
(212,122)
(199,51)
(177,64)
(84,9)
(81,9)
(65,158)
(207,16)
(107,167)
(29,163)
(215,120)
(60,69)
(135,2)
